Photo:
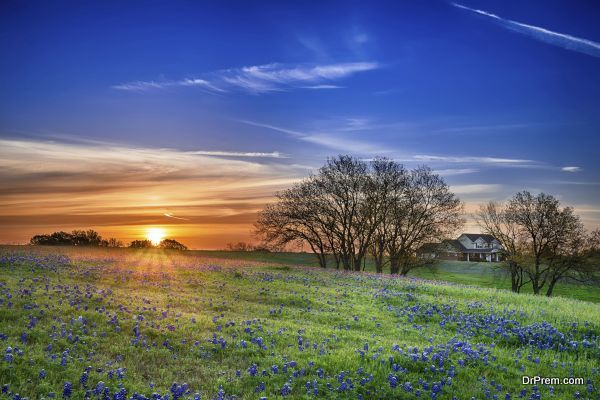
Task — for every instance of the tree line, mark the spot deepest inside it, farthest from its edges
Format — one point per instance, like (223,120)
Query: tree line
(351,209)
(92,238)
(75,238)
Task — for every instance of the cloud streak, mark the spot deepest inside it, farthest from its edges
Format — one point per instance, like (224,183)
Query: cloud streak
(339,138)
(563,40)
(142,86)
(168,215)
(260,79)
(471,159)
(336,141)
(273,154)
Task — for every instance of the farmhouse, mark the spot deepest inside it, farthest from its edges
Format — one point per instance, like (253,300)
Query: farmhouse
(467,247)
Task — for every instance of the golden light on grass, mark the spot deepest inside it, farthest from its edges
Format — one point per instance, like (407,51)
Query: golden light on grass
(155,235)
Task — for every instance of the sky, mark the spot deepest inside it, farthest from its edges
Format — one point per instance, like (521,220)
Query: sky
(189,116)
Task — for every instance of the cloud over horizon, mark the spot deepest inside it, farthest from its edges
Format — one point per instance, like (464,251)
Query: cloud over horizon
(116,186)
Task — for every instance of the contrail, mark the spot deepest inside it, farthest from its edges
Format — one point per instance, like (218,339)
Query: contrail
(563,40)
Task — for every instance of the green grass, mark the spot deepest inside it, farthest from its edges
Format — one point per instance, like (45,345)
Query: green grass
(491,275)
(483,274)
(100,295)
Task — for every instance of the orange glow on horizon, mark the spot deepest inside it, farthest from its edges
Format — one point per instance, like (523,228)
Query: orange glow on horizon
(155,235)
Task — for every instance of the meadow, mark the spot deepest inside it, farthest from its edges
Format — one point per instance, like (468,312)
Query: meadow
(154,324)
(483,274)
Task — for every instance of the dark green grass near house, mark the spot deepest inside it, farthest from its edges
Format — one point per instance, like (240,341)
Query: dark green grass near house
(148,321)
(491,275)
(483,274)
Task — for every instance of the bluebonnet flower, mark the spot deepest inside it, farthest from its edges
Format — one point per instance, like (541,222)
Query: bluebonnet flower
(67,390)
(260,388)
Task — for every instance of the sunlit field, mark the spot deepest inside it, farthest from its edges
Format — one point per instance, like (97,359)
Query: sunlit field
(152,324)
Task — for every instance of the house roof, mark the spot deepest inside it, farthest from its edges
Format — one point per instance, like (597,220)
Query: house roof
(455,243)
(462,249)
(474,236)
(428,248)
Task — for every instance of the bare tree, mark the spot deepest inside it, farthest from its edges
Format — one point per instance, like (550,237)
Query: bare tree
(547,228)
(296,216)
(354,198)
(493,220)
(391,178)
(574,259)
(424,211)
(352,207)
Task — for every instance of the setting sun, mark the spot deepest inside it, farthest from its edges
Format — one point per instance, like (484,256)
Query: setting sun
(155,235)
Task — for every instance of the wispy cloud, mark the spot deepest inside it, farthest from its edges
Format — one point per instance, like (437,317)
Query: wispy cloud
(563,40)
(471,159)
(455,171)
(336,141)
(168,215)
(273,154)
(323,87)
(343,137)
(571,169)
(476,189)
(141,86)
(262,78)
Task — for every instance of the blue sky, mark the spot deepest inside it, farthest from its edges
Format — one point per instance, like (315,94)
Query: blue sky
(498,96)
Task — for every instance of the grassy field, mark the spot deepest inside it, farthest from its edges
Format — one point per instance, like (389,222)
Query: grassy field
(483,274)
(121,324)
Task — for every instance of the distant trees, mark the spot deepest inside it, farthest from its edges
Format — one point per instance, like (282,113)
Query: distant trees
(243,246)
(75,238)
(239,246)
(92,238)
(171,244)
(112,242)
(543,242)
(351,208)
(141,244)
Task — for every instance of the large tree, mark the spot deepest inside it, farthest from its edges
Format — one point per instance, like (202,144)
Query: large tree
(493,220)
(547,230)
(574,259)
(295,217)
(424,210)
(354,197)
(352,207)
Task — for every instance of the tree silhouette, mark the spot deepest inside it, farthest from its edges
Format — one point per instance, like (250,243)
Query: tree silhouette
(141,244)
(172,244)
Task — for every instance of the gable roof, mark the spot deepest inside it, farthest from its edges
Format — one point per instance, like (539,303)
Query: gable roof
(474,236)
(429,248)
(454,243)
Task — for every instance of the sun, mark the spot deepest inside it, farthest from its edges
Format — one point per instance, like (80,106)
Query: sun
(155,235)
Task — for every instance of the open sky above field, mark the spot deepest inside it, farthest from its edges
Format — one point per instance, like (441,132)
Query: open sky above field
(120,116)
